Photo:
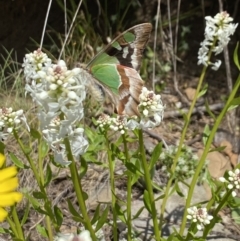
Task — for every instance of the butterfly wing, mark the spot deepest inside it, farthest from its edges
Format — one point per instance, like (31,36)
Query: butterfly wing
(116,68)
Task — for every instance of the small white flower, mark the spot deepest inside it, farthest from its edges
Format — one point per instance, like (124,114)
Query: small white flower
(216,65)
(83,236)
(151,109)
(199,216)
(233,181)
(119,124)
(10,120)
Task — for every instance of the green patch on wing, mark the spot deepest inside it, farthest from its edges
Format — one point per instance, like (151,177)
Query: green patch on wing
(129,37)
(108,75)
(103,58)
(116,45)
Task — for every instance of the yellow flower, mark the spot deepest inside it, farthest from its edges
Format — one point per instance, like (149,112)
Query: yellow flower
(8,183)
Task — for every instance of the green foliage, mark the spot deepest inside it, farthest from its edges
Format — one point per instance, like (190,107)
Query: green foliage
(186,164)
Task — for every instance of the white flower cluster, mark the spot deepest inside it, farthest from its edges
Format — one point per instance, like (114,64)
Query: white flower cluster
(151,112)
(59,94)
(10,120)
(218,29)
(151,109)
(33,63)
(83,236)
(233,181)
(104,121)
(199,216)
(186,164)
(119,123)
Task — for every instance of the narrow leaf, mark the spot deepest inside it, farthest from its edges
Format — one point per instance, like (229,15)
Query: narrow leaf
(44,148)
(39,195)
(102,219)
(138,213)
(236,56)
(72,209)
(206,134)
(83,168)
(41,230)
(58,215)
(48,177)
(203,91)
(96,214)
(146,201)
(35,134)
(26,212)
(155,155)
(120,213)
(17,162)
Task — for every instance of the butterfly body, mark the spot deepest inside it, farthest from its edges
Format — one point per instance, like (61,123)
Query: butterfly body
(115,68)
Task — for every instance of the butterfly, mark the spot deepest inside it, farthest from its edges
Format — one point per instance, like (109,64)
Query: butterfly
(115,69)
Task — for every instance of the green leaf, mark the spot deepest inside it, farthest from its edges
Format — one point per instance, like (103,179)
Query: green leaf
(33,201)
(58,215)
(146,201)
(26,212)
(39,195)
(40,210)
(234,103)
(209,110)
(236,56)
(185,118)
(17,162)
(41,230)
(83,167)
(102,219)
(49,210)
(120,213)
(35,133)
(78,219)
(156,186)
(4,230)
(206,134)
(44,148)
(203,91)
(179,192)
(219,149)
(133,168)
(48,177)
(96,215)
(138,213)
(155,155)
(72,209)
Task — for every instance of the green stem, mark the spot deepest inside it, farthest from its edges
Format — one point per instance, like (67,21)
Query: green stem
(40,164)
(186,124)
(43,189)
(205,152)
(78,189)
(17,223)
(149,186)
(30,161)
(129,192)
(49,228)
(40,180)
(111,169)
